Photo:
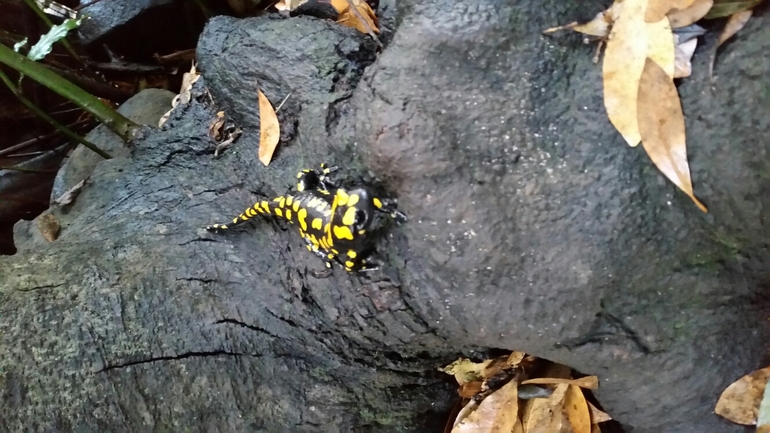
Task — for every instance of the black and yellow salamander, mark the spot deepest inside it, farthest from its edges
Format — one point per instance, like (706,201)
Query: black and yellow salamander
(336,223)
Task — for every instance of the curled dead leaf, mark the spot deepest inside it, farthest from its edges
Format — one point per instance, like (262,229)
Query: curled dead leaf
(734,24)
(70,195)
(740,401)
(269,130)
(661,125)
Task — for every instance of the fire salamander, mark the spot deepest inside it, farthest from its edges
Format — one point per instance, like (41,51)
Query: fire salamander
(336,223)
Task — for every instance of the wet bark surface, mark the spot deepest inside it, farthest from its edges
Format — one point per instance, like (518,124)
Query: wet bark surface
(532,227)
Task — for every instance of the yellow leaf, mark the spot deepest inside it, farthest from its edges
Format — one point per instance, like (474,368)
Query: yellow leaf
(353,18)
(658,9)
(734,24)
(269,131)
(589,382)
(660,45)
(739,403)
(661,125)
(597,415)
(465,370)
(685,17)
(577,410)
(724,8)
(622,68)
(497,413)
(541,415)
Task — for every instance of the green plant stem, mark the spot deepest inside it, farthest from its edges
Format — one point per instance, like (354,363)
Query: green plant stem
(32,5)
(122,126)
(43,115)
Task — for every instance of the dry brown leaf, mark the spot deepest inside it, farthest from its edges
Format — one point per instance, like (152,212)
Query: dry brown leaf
(660,45)
(543,415)
(685,17)
(188,79)
(577,410)
(661,125)
(596,429)
(739,402)
(589,382)
(515,358)
(658,9)
(215,127)
(682,55)
(734,24)
(70,195)
(269,130)
(496,414)
(469,389)
(725,8)
(49,227)
(622,68)
(350,18)
(598,415)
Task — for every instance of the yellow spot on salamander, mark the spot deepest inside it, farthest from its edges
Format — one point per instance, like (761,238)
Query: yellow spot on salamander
(309,248)
(300,187)
(289,199)
(349,264)
(353,199)
(250,212)
(352,254)
(295,206)
(282,202)
(335,251)
(330,256)
(278,212)
(377,203)
(317,223)
(288,215)
(302,218)
(342,232)
(342,197)
(265,206)
(360,232)
(350,216)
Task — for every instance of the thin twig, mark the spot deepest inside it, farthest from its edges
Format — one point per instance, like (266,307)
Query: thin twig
(31,170)
(33,141)
(43,115)
(281,104)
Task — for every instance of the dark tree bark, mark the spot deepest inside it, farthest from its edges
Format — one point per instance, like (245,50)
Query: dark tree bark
(532,227)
